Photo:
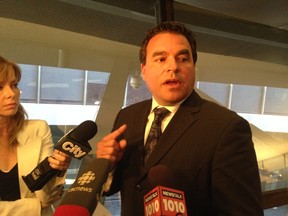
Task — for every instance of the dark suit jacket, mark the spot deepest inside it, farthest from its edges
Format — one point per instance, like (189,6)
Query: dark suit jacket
(210,151)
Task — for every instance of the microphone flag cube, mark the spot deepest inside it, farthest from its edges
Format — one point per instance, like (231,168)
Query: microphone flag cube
(164,201)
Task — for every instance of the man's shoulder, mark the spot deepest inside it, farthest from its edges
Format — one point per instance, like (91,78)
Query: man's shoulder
(217,111)
(138,106)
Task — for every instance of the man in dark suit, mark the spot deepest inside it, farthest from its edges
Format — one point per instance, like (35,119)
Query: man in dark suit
(207,148)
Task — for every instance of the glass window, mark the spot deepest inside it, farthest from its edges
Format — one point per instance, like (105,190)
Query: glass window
(28,84)
(96,85)
(218,91)
(61,85)
(273,173)
(276,101)
(247,99)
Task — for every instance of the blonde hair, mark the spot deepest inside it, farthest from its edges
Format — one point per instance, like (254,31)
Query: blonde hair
(17,121)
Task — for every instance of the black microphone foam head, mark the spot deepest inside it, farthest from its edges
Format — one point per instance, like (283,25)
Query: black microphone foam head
(84,132)
(75,142)
(161,175)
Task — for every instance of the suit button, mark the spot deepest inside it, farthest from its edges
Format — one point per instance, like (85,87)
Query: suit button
(138,188)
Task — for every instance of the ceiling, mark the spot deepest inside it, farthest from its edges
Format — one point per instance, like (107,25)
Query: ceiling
(242,28)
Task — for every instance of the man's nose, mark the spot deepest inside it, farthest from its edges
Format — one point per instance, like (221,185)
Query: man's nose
(172,65)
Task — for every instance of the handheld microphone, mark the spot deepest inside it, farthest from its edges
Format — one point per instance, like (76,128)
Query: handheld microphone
(164,199)
(84,193)
(74,143)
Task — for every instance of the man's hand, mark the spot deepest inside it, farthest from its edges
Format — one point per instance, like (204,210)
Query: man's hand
(110,148)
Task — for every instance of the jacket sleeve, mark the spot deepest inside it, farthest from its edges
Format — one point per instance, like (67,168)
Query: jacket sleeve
(53,190)
(235,177)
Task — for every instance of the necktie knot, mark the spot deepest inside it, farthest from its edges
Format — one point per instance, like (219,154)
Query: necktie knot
(160,114)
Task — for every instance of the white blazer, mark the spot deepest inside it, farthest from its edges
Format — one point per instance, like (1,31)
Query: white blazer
(35,144)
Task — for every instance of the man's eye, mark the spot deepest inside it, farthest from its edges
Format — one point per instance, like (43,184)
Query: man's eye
(160,60)
(182,59)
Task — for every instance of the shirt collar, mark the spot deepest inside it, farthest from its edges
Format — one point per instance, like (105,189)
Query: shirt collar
(172,109)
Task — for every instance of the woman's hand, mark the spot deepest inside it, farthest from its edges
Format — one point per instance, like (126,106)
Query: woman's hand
(59,160)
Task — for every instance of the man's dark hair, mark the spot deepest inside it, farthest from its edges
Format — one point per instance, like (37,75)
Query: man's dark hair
(170,27)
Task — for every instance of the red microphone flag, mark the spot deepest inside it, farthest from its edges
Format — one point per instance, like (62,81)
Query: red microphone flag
(164,201)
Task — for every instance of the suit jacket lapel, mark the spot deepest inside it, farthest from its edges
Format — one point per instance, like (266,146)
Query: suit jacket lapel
(28,156)
(142,120)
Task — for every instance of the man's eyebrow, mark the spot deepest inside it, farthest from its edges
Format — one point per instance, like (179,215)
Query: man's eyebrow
(180,52)
(158,53)
(183,51)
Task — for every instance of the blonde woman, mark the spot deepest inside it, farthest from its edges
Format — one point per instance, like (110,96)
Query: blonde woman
(24,144)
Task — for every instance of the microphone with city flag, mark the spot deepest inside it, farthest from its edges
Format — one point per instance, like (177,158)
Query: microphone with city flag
(164,199)
(74,143)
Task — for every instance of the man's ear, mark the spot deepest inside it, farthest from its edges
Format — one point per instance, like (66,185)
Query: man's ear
(143,71)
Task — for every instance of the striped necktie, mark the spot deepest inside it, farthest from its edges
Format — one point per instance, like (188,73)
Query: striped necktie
(155,131)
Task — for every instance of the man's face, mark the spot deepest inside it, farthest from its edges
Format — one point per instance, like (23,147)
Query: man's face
(169,71)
